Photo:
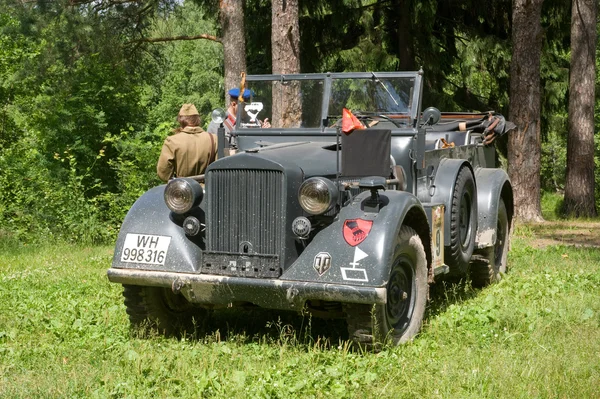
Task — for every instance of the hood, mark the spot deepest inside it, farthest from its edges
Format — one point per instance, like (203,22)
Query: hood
(314,158)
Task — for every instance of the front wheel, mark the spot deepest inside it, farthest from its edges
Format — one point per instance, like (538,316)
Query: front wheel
(400,318)
(159,309)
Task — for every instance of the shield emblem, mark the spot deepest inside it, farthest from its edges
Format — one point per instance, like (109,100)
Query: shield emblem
(322,262)
(356,230)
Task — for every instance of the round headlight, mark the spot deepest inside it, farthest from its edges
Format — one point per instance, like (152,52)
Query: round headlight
(317,195)
(183,194)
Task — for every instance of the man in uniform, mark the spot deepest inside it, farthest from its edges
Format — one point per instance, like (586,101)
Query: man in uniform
(190,150)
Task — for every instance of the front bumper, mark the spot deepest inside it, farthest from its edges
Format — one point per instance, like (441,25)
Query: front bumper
(267,293)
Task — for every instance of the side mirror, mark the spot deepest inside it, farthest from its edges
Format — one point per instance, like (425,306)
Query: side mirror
(431,116)
(218,116)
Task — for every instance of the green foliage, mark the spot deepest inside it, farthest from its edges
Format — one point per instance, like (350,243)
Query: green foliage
(327,29)
(189,71)
(479,80)
(34,209)
(552,203)
(84,114)
(73,86)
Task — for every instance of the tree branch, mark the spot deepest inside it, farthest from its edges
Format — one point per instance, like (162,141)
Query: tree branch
(177,38)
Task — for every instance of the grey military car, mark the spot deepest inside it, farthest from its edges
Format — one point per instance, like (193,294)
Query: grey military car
(350,204)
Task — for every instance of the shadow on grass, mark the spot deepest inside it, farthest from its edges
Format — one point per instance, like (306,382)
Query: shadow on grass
(257,325)
(260,325)
(444,293)
(577,233)
(286,328)
(273,327)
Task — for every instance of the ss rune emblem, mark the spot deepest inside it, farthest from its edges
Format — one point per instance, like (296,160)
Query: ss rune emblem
(322,262)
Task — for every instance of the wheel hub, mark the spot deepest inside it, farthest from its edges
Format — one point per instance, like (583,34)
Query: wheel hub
(399,293)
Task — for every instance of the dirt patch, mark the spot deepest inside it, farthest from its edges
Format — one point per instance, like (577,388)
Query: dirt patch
(579,234)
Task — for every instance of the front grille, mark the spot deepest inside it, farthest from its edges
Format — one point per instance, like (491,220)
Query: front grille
(245,212)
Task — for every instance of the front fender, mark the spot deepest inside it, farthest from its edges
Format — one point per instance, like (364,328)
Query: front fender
(491,183)
(367,263)
(149,215)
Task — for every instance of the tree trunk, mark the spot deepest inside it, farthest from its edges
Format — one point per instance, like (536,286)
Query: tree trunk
(406,55)
(579,189)
(234,45)
(285,47)
(524,151)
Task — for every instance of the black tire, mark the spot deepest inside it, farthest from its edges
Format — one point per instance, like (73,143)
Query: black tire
(400,319)
(463,223)
(489,267)
(159,309)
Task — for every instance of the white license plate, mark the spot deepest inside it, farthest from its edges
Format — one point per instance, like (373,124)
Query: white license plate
(145,248)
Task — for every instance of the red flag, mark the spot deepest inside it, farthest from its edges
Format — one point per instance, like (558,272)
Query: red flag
(350,122)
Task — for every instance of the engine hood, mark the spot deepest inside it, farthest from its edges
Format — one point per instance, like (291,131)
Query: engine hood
(314,158)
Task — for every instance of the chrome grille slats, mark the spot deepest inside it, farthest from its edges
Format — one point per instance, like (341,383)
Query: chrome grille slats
(245,205)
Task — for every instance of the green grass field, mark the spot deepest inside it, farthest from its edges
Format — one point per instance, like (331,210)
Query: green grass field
(64,333)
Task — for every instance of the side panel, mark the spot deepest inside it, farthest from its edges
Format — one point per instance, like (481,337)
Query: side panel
(490,183)
(367,263)
(149,216)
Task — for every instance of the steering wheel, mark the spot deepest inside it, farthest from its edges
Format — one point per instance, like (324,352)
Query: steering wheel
(387,118)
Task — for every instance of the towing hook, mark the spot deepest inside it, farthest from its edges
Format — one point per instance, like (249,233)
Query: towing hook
(177,286)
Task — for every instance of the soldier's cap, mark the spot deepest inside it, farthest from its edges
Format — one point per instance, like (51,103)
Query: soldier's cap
(188,110)
(235,92)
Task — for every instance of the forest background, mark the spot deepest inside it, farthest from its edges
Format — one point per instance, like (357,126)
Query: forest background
(90,89)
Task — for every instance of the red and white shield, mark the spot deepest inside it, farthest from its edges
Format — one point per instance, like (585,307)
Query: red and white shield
(356,230)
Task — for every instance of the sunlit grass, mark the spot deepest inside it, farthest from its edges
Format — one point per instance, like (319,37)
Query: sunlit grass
(64,333)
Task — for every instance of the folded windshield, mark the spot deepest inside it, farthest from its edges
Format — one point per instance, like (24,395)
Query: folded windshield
(299,103)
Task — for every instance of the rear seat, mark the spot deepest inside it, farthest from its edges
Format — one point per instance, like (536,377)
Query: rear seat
(433,141)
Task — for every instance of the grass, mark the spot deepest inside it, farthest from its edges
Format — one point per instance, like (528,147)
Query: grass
(552,204)
(536,334)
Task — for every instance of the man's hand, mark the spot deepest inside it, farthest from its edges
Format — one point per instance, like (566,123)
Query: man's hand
(266,124)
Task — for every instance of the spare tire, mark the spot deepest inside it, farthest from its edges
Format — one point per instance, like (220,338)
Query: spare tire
(463,223)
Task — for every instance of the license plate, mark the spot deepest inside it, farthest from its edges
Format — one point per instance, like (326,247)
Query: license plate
(145,248)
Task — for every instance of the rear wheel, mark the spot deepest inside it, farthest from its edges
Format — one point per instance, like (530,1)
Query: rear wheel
(489,268)
(159,309)
(463,223)
(400,318)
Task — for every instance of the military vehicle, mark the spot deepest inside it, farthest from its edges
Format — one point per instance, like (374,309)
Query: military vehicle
(349,204)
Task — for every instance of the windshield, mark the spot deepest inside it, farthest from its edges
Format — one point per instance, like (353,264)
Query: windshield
(287,103)
(390,96)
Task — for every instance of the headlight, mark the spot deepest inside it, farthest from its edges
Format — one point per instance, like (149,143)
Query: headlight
(317,195)
(183,194)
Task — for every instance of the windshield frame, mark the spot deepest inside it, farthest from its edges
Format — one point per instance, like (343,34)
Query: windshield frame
(327,79)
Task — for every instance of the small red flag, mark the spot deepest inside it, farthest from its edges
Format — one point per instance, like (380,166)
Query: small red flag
(350,122)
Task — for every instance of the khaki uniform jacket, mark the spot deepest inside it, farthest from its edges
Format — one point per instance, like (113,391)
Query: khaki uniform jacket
(186,153)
